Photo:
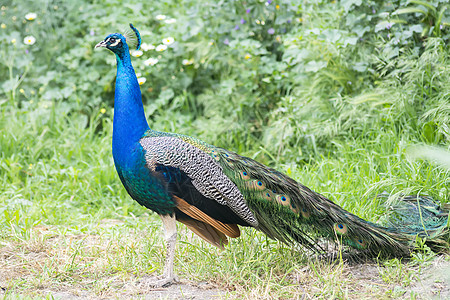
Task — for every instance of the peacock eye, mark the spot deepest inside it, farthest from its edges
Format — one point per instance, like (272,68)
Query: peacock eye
(112,40)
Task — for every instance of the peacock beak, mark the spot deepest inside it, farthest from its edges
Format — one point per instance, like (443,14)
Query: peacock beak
(101,44)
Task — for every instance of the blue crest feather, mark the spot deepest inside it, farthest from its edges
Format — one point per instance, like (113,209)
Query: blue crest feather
(133,37)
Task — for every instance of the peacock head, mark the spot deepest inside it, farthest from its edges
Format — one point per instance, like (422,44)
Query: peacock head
(120,43)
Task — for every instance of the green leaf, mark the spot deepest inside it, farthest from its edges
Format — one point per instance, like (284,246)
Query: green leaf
(416,28)
(429,131)
(390,52)
(440,16)
(351,40)
(359,30)
(409,10)
(369,97)
(360,66)
(424,3)
(314,66)
(348,3)
(9,85)
(383,25)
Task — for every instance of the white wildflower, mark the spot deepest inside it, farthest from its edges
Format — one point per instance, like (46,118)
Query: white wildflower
(161,48)
(141,80)
(29,40)
(146,47)
(137,53)
(160,17)
(30,16)
(170,21)
(151,61)
(168,40)
(187,62)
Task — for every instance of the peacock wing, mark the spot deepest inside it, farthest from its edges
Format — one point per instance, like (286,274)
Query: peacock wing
(194,158)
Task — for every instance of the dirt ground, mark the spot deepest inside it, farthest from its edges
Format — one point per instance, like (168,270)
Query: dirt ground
(18,278)
(182,290)
(434,284)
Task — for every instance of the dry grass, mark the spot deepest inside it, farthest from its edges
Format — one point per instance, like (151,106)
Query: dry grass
(108,262)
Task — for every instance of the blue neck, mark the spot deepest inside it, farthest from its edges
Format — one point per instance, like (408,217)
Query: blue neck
(129,118)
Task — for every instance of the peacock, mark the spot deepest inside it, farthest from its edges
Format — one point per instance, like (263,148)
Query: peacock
(213,191)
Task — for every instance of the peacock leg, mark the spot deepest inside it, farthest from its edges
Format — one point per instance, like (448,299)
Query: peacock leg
(170,235)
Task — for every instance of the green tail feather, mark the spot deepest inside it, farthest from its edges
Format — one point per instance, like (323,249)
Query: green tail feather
(420,215)
(290,212)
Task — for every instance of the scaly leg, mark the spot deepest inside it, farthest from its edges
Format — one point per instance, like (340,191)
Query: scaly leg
(170,235)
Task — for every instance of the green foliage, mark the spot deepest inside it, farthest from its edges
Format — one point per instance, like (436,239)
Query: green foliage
(242,67)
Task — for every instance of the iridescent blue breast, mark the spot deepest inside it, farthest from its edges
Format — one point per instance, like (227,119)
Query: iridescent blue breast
(148,187)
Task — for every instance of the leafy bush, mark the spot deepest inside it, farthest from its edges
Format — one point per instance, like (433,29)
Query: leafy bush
(287,77)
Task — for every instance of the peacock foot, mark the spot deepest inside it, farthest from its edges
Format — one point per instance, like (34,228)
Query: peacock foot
(157,281)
